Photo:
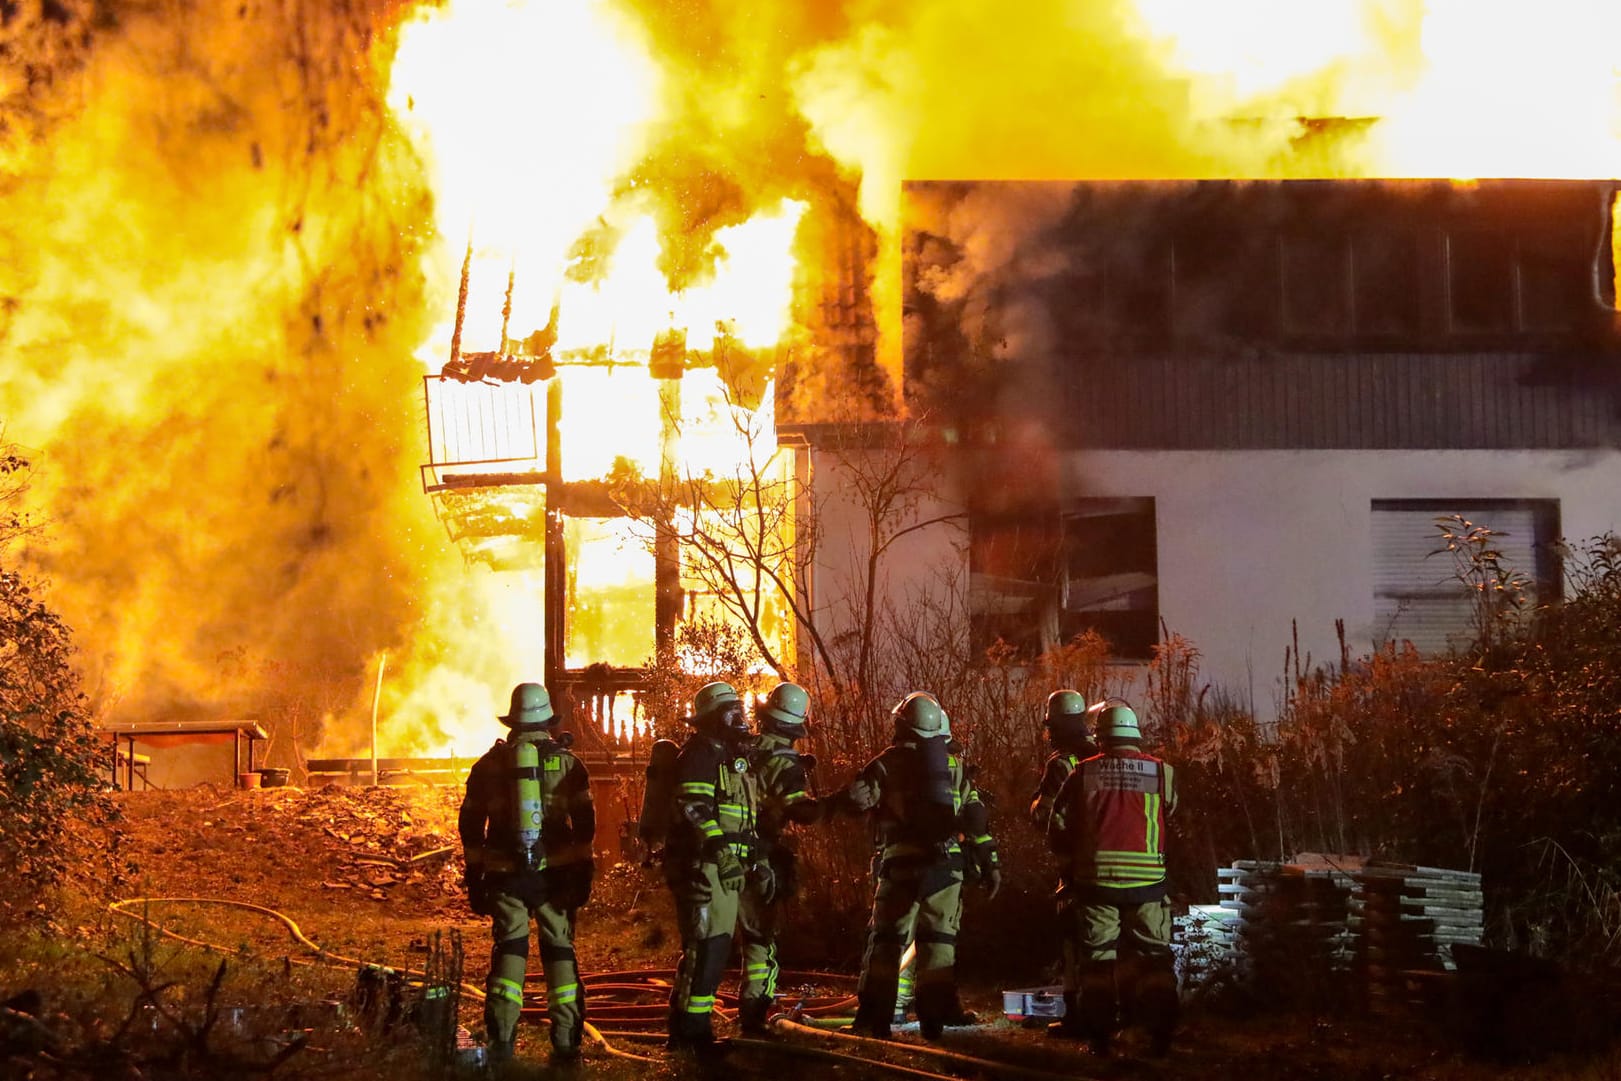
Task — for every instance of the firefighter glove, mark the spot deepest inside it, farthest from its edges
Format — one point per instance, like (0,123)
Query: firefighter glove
(575,885)
(764,881)
(478,893)
(861,796)
(987,865)
(728,868)
(806,811)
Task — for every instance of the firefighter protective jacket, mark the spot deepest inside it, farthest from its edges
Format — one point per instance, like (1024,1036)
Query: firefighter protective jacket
(1108,820)
(782,780)
(1059,766)
(717,801)
(487,822)
(905,822)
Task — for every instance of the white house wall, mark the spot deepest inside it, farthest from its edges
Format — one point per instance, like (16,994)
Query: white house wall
(1248,541)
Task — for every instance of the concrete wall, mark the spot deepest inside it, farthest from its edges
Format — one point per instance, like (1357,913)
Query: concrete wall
(1248,541)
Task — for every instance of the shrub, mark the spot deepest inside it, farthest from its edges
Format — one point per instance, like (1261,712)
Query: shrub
(55,808)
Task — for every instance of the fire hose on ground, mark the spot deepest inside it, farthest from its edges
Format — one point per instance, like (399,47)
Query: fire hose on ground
(322,955)
(634,997)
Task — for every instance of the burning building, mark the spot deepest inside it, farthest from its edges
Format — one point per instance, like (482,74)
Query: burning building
(238,240)
(1236,410)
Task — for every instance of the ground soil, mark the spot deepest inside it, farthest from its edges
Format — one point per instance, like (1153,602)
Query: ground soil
(373,875)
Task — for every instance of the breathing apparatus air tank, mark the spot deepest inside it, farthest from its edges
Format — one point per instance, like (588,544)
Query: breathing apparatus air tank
(526,771)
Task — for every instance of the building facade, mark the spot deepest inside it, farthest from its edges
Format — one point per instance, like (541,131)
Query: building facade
(1238,412)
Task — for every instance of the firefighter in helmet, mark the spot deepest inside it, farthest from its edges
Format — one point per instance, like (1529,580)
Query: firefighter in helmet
(1070,737)
(1069,734)
(1107,829)
(711,847)
(779,722)
(907,984)
(930,827)
(527,823)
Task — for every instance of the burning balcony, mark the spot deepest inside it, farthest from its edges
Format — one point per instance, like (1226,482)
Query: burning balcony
(598,466)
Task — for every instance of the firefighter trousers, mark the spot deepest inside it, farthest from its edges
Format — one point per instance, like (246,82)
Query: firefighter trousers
(708,916)
(917,901)
(1142,982)
(757,920)
(509,956)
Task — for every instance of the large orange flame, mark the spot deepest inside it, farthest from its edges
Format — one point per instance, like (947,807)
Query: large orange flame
(231,244)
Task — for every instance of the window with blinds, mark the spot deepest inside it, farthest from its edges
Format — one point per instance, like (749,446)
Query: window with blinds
(1418,595)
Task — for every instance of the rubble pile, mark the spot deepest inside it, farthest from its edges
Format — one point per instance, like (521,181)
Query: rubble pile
(395,846)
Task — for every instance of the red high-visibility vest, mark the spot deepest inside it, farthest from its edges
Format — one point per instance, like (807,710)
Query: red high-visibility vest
(1120,812)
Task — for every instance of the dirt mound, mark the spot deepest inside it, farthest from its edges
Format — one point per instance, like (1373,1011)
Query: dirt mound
(290,846)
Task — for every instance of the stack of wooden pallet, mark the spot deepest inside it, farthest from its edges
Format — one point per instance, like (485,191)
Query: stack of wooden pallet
(1289,926)
(1295,930)
(1407,919)
(1205,944)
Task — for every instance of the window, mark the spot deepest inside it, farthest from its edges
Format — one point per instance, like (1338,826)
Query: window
(1013,566)
(1111,574)
(1316,294)
(1480,281)
(1039,580)
(1136,292)
(1224,283)
(1555,281)
(1386,295)
(1418,596)
(1536,282)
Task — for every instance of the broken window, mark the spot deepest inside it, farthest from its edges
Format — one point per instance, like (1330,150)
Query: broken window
(1111,574)
(1040,579)
(1013,574)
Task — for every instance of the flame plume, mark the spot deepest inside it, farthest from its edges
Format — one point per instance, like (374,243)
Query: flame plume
(232,238)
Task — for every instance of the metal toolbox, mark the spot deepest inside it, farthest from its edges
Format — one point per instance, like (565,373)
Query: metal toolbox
(1040,1003)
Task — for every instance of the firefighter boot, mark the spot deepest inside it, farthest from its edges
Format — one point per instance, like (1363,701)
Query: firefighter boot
(751,1015)
(1156,1008)
(873,1014)
(1068,1027)
(956,1016)
(934,1004)
(498,1053)
(1098,1011)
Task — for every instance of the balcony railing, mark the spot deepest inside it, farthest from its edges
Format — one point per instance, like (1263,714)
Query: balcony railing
(473,428)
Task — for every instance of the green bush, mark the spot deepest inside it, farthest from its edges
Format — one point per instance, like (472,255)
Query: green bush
(55,807)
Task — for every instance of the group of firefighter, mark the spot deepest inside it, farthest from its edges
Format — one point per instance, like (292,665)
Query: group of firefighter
(722,805)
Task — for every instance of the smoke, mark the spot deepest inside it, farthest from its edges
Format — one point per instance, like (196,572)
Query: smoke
(219,260)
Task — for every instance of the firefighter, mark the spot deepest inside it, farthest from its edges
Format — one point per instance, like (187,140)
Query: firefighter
(1070,737)
(711,847)
(527,824)
(779,722)
(1107,829)
(930,826)
(906,985)
(1071,741)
